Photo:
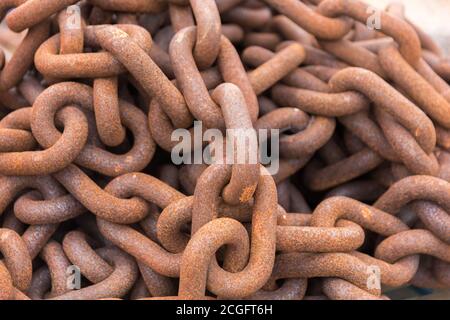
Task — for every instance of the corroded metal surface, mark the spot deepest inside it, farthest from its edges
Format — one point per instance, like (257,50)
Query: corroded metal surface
(91,95)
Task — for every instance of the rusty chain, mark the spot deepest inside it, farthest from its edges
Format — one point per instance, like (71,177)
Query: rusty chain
(90,98)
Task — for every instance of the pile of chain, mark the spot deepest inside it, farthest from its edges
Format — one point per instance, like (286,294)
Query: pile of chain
(87,182)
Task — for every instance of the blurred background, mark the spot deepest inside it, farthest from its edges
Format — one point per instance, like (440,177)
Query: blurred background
(430,15)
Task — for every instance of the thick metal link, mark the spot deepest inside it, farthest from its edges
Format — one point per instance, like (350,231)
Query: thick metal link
(351,123)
